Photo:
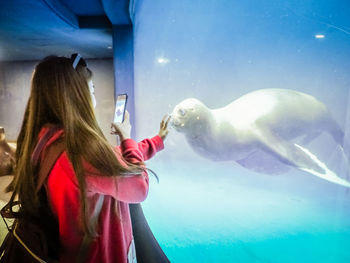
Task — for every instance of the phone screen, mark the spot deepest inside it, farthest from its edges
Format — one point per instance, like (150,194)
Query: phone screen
(120,107)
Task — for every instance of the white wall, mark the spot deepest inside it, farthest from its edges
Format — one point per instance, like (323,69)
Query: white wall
(15,88)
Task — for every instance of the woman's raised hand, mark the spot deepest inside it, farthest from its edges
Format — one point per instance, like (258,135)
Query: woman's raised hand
(163,131)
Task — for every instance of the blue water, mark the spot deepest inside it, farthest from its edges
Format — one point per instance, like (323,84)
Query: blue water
(200,215)
(217,51)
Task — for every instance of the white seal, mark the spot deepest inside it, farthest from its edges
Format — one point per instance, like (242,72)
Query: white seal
(257,131)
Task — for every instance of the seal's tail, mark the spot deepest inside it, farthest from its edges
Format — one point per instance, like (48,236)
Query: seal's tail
(340,138)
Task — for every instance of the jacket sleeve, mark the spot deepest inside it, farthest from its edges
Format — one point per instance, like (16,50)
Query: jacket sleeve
(149,147)
(128,189)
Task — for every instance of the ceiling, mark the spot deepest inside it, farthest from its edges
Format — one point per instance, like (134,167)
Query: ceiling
(33,29)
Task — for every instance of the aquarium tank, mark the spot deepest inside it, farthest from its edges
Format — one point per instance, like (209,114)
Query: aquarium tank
(256,164)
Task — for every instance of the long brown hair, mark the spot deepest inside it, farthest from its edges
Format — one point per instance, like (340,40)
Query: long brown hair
(60,95)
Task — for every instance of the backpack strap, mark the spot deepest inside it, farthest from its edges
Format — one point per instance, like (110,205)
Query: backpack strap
(51,154)
(42,143)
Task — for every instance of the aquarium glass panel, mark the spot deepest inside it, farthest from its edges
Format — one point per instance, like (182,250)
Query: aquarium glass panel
(256,164)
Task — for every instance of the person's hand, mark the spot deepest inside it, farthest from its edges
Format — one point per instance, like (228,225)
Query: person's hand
(163,131)
(123,130)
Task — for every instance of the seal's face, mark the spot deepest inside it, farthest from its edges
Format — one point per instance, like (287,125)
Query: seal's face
(185,114)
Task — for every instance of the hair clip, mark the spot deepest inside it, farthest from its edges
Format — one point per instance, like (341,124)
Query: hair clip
(76,60)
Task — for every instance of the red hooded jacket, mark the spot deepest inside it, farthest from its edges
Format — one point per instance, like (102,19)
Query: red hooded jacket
(114,225)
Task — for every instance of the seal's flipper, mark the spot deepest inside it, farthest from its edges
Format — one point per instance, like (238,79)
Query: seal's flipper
(329,175)
(287,152)
(299,157)
(261,162)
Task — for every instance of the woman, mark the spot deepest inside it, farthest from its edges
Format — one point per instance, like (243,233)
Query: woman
(88,169)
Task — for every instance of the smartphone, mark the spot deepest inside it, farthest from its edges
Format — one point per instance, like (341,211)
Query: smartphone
(120,107)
